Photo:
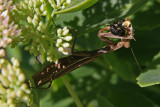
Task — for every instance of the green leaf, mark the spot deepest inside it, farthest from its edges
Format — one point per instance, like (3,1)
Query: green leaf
(151,8)
(129,95)
(122,67)
(14,52)
(133,7)
(102,102)
(77,5)
(102,13)
(152,76)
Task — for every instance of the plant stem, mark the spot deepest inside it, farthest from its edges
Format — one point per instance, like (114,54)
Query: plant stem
(72,92)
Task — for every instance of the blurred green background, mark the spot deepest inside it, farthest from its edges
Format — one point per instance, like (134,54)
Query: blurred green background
(110,80)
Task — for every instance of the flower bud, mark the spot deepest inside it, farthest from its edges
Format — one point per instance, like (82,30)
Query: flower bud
(60,49)
(68,1)
(58,2)
(50,1)
(44,36)
(42,1)
(15,62)
(65,32)
(11,78)
(26,98)
(9,91)
(35,22)
(26,1)
(43,7)
(59,41)
(65,45)
(65,28)
(54,6)
(57,44)
(4,81)
(65,52)
(5,13)
(59,31)
(68,38)
(19,93)
(2,52)
(39,28)
(30,3)
(9,101)
(21,78)
(44,13)
(59,35)
(37,10)
(18,71)
(49,59)
(28,91)
(24,6)
(12,94)
(2,61)
(2,89)
(63,7)
(6,33)
(24,86)
(4,72)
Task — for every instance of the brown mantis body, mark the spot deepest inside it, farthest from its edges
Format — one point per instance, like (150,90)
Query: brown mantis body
(78,59)
(66,64)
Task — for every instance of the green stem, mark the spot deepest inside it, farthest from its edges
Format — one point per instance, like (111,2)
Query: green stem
(72,92)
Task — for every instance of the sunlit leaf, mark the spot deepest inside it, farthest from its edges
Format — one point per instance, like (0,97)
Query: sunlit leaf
(152,75)
(77,5)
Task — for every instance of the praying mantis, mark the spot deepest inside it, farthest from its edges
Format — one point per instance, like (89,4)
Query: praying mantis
(121,30)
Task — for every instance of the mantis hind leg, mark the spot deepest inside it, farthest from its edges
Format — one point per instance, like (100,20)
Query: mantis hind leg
(74,41)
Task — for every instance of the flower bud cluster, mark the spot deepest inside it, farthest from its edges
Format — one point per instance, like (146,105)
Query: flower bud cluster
(35,34)
(38,33)
(34,6)
(59,4)
(12,86)
(7,29)
(64,37)
(34,10)
(36,23)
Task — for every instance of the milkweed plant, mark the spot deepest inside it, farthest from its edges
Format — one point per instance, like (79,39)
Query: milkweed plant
(31,23)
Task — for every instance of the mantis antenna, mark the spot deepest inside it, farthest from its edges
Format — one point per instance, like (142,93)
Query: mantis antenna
(135,59)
